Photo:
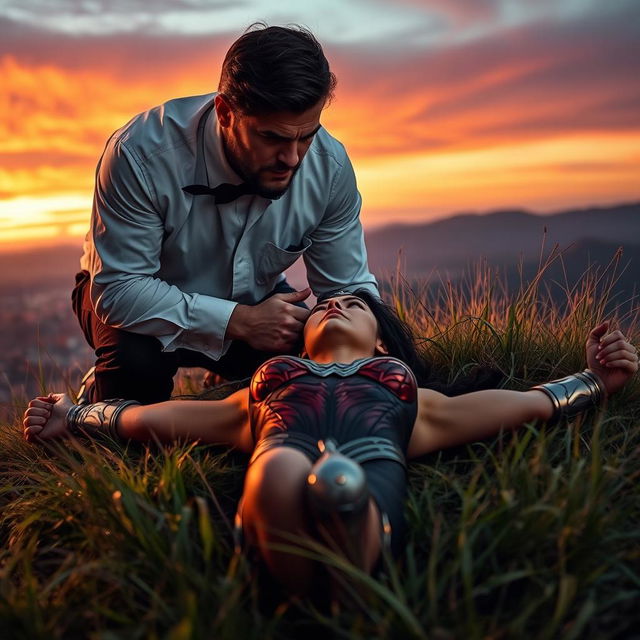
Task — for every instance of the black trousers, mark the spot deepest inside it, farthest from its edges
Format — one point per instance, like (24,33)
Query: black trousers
(134,367)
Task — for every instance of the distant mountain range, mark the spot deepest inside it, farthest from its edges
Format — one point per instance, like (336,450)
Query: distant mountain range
(513,240)
(504,237)
(516,243)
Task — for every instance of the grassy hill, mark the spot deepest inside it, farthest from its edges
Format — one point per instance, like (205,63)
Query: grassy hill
(534,534)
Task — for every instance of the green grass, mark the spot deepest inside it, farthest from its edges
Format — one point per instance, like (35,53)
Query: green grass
(534,534)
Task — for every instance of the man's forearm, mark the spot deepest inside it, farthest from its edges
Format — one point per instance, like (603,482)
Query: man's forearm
(151,306)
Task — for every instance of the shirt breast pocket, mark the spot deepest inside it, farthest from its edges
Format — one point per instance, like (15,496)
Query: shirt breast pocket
(275,260)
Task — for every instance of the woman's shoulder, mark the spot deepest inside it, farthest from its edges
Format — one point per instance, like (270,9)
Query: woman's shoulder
(393,374)
(273,373)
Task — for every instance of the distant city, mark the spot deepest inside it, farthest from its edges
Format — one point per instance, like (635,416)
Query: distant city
(41,345)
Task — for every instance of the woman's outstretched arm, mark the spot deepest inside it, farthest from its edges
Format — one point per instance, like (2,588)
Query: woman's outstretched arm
(445,422)
(211,422)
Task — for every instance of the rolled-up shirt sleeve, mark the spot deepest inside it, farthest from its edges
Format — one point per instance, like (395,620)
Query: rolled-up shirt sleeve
(127,230)
(337,258)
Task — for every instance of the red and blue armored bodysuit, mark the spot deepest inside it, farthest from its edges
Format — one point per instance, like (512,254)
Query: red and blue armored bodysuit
(367,407)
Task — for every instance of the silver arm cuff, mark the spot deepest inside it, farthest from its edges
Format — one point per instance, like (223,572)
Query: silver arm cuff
(574,394)
(99,416)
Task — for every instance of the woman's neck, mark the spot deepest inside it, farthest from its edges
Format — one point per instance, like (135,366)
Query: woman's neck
(345,354)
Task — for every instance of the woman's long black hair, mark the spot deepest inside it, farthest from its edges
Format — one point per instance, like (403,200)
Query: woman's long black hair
(400,342)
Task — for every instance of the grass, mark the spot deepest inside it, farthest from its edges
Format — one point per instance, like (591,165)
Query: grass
(534,534)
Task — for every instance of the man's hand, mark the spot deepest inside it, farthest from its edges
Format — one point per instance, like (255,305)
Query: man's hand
(611,356)
(273,325)
(45,417)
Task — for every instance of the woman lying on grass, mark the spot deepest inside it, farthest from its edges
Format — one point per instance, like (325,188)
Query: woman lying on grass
(330,433)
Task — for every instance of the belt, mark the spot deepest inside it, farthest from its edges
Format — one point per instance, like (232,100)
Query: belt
(360,449)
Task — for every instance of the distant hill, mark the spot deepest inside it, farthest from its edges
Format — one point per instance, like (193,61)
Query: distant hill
(517,243)
(502,237)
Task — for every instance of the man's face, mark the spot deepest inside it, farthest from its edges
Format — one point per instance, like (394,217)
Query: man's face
(266,150)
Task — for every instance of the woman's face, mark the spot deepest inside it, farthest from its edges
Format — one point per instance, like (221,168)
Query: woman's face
(343,320)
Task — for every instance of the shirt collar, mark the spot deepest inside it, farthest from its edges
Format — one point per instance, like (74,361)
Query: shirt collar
(217,166)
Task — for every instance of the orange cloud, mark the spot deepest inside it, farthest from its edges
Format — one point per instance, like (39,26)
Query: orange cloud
(58,120)
(545,174)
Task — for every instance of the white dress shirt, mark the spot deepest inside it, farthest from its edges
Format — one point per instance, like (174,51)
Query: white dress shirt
(173,265)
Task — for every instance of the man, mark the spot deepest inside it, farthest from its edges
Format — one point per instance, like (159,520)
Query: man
(200,205)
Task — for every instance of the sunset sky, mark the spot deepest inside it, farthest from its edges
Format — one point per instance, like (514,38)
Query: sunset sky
(444,105)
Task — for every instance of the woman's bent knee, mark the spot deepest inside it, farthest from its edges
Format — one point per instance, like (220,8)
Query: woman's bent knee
(275,484)
(273,513)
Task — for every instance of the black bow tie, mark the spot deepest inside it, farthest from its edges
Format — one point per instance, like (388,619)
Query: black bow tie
(223,193)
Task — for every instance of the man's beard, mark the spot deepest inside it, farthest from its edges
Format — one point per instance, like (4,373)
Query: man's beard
(252,178)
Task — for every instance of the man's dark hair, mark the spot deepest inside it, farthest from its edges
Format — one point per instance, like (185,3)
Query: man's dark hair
(273,69)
